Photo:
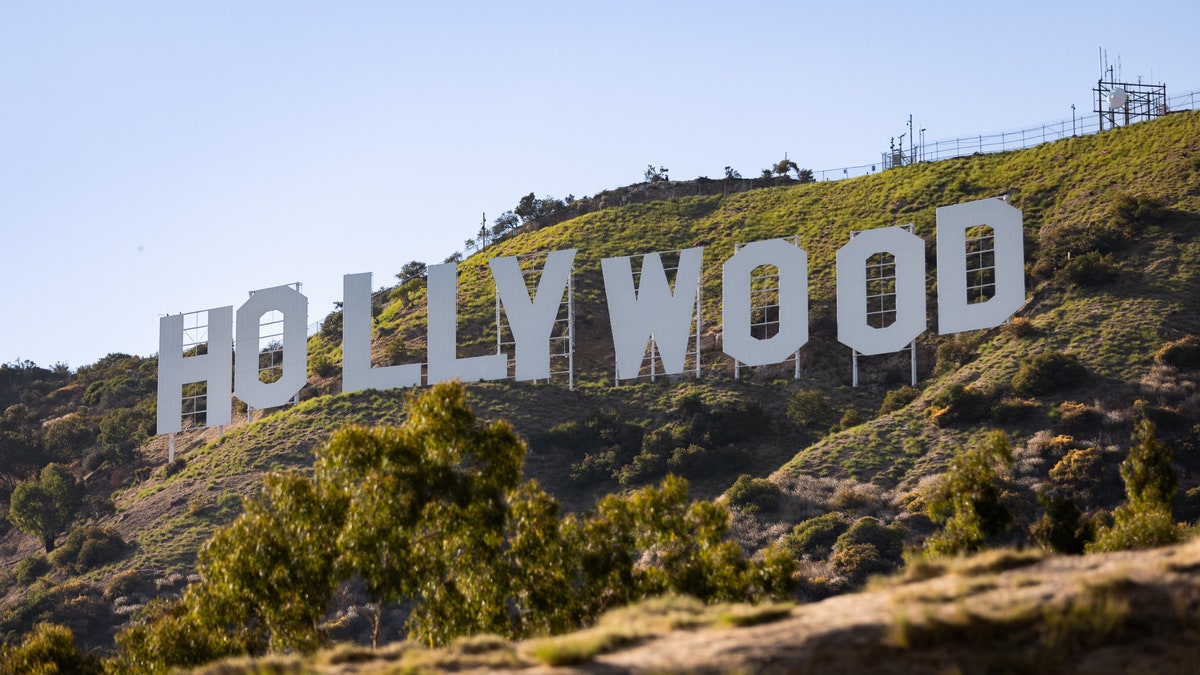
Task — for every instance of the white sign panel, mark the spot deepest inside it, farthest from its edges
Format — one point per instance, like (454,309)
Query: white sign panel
(909,252)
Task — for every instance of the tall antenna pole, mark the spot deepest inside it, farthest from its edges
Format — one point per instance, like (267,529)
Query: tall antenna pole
(910,140)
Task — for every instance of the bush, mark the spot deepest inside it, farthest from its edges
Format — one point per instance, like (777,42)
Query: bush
(1076,416)
(45,505)
(229,503)
(1021,327)
(1081,474)
(858,561)
(966,499)
(1182,354)
(1090,269)
(955,351)
(815,537)
(1138,526)
(86,548)
(958,404)
(1047,373)
(1062,528)
(897,399)
(197,505)
(172,468)
(888,540)
(754,494)
(1134,214)
(123,430)
(124,584)
(1012,409)
(48,649)
(32,567)
(809,408)
(850,419)
(322,365)
(67,436)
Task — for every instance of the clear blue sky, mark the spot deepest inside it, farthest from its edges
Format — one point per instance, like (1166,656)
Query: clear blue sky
(164,157)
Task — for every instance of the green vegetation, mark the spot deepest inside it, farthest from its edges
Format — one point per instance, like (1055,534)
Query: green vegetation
(434,514)
(1145,519)
(966,501)
(45,506)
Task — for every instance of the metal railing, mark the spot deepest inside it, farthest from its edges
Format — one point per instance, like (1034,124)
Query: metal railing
(1018,139)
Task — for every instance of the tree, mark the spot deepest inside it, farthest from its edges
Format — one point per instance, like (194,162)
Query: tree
(506,222)
(659,175)
(785,166)
(20,441)
(530,208)
(1147,470)
(967,498)
(44,506)
(1144,520)
(731,173)
(426,510)
(412,271)
(806,176)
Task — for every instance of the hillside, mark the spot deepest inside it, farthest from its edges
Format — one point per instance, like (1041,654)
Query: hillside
(1000,612)
(1112,234)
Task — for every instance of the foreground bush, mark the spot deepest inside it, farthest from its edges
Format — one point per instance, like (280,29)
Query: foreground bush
(433,514)
(47,650)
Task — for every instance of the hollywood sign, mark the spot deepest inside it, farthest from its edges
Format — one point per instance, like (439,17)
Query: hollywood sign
(643,311)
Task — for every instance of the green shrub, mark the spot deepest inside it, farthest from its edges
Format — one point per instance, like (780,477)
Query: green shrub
(1183,354)
(1138,526)
(1047,373)
(229,503)
(1076,416)
(323,365)
(897,399)
(1013,409)
(1145,519)
(30,568)
(47,650)
(86,548)
(966,498)
(1090,269)
(809,408)
(858,561)
(1061,528)
(888,540)
(172,468)
(68,436)
(754,494)
(815,537)
(1020,327)
(850,419)
(124,584)
(1082,475)
(1133,214)
(955,351)
(197,505)
(123,430)
(1186,505)
(957,404)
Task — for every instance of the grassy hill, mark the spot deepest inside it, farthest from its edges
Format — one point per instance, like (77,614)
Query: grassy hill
(1112,239)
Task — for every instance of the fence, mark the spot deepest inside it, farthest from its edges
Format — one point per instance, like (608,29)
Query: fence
(997,142)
